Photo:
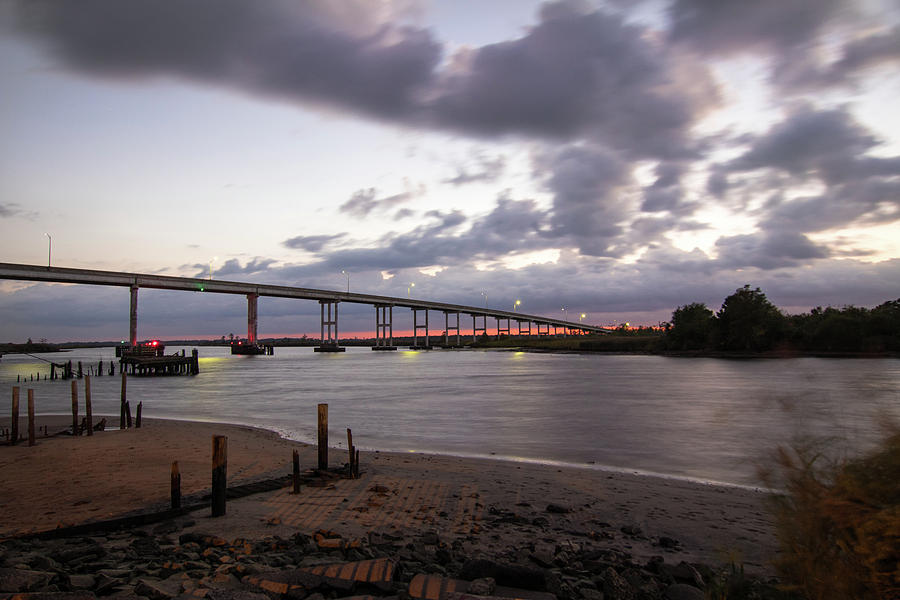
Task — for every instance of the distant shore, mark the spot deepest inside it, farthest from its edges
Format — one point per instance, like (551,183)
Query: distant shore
(65,481)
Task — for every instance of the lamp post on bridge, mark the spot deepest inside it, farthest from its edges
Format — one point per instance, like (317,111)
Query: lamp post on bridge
(485,298)
(408,288)
(49,248)
(348,279)
(211,261)
(516,305)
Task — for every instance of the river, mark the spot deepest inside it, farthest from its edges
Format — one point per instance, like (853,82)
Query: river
(705,419)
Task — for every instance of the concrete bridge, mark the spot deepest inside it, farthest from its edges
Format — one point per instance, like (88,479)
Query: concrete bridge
(328,301)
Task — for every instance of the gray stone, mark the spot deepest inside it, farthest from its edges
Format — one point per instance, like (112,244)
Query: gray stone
(82,582)
(683,573)
(21,580)
(557,509)
(615,587)
(592,594)
(482,587)
(157,590)
(682,591)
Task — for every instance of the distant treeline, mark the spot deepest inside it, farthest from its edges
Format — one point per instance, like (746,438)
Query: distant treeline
(749,323)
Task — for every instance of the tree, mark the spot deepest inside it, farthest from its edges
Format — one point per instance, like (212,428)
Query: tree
(748,322)
(692,327)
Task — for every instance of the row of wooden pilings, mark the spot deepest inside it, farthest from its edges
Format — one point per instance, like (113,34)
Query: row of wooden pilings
(67,370)
(86,426)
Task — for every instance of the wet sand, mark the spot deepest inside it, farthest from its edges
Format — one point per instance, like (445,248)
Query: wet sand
(489,505)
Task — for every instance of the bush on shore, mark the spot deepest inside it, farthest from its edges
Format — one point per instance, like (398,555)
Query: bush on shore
(838,523)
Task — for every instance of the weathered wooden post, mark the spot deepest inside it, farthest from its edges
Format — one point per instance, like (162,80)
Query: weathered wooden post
(295,460)
(175,485)
(122,398)
(195,362)
(351,450)
(75,430)
(128,414)
(14,420)
(87,405)
(219,474)
(80,370)
(137,419)
(323,437)
(31,417)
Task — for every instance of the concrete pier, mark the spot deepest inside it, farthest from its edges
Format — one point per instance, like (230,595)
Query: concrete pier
(329,317)
(417,327)
(384,327)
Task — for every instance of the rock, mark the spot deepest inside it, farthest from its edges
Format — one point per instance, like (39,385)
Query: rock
(667,542)
(509,575)
(82,582)
(105,584)
(430,538)
(235,595)
(482,587)
(557,509)
(157,590)
(682,591)
(39,562)
(631,530)
(21,580)
(615,587)
(683,573)
(145,547)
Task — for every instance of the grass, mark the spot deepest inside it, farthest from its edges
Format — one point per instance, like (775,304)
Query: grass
(838,522)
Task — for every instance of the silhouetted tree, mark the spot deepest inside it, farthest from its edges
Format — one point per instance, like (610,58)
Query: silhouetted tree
(692,327)
(748,322)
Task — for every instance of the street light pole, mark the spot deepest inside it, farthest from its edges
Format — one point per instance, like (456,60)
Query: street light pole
(49,248)
(411,285)
(348,279)
(211,261)
(485,298)
(516,305)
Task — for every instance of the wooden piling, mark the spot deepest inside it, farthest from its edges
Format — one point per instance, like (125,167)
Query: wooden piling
(80,370)
(31,417)
(75,424)
(122,399)
(295,460)
(87,405)
(175,486)
(356,466)
(14,421)
(219,474)
(128,414)
(137,420)
(351,450)
(323,437)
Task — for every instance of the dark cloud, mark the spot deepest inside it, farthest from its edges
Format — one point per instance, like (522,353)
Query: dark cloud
(363,202)
(575,73)
(11,210)
(666,194)
(768,250)
(305,50)
(726,26)
(827,147)
(233,267)
(588,209)
(312,243)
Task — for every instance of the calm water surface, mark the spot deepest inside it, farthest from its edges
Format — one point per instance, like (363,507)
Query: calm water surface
(709,419)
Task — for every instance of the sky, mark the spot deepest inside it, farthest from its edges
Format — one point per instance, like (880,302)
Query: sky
(613,158)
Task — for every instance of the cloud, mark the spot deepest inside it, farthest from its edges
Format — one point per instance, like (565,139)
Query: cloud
(575,73)
(768,250)
(312,243)
(363,202)
(486,170)
(10,210)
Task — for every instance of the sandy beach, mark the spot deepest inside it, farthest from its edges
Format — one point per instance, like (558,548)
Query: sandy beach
(64,481)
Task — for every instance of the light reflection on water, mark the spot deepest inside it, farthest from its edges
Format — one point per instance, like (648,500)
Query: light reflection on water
(708,419)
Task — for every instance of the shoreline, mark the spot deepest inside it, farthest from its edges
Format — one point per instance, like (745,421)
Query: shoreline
(486,502)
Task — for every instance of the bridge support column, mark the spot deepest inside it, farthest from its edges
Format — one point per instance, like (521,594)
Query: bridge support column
(546,330)
(251,318)
(417,327)
(499,330)
(448,328)
(132,325)
(476,328)
(526,331)
(384,327)
(329,321)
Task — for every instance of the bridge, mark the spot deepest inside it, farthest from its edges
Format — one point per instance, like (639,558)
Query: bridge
(327,299)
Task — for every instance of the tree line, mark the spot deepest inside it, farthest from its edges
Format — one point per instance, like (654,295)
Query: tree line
(748,322)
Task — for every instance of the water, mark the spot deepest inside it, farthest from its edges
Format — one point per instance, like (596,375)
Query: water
(707,419)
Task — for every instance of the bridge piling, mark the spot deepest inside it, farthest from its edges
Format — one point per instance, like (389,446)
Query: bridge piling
(417,327)
(476,328)
(251,318)
(329,322)
(132,322)
(384,327)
